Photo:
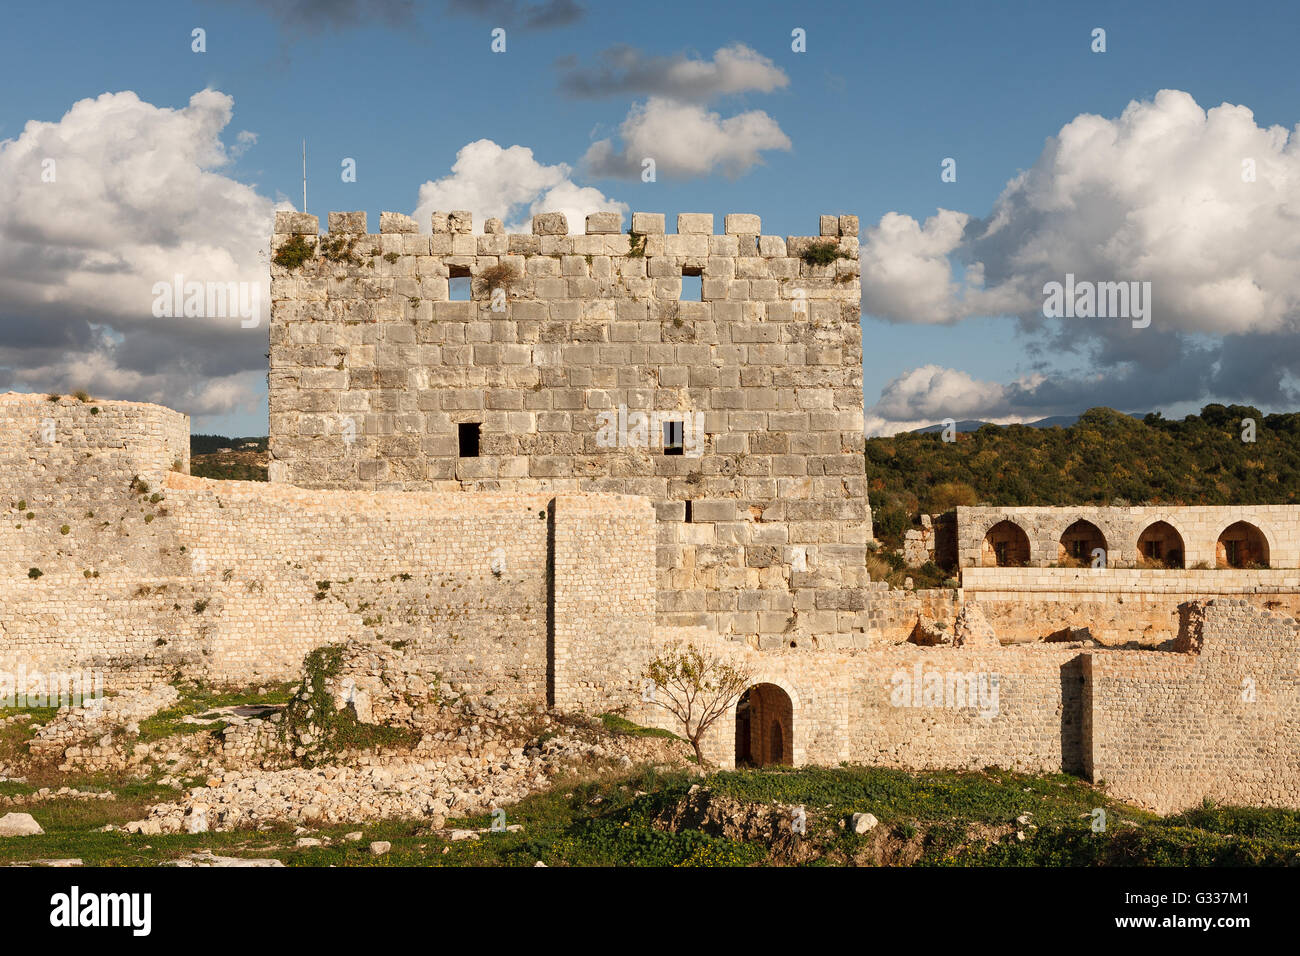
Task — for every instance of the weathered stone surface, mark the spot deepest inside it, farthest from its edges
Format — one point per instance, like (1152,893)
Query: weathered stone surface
(604,223)
(695,223)
(296,224)
(19,824)
(863,822)
(648,223)
(396,222)
(738,224)
(550,224)
(348,222)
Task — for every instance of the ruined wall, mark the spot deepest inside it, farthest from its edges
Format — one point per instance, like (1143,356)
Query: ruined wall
(241,579)
(71,499)
(1167,731)
(1218,716)
(106,442)
(373,369)
(1198,526)
(1116,605)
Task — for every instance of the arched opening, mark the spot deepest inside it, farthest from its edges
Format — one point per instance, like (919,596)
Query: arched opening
(1078,542)
(1005,546)
(1241,545)
(1160,546)
(764,727)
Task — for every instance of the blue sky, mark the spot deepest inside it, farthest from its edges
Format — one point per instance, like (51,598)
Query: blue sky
(881,96)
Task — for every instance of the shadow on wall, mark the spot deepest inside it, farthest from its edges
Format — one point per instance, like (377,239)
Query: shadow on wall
(1073,740)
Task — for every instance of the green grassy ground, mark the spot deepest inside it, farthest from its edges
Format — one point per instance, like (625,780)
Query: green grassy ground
(940,818)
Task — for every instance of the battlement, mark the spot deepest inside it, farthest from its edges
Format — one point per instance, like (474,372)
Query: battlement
(460,222)
(738,265)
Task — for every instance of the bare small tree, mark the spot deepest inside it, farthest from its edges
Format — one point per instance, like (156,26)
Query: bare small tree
(696,688)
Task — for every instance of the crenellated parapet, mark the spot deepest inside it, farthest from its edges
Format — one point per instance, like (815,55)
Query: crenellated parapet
(738,264)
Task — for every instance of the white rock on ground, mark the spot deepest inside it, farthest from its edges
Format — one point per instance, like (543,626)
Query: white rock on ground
(864,822)
(19,824)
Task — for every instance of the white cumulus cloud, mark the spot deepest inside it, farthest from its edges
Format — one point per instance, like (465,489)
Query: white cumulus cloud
(1161,193)
(685,140)
(509,183)
(98,207)
(624,69)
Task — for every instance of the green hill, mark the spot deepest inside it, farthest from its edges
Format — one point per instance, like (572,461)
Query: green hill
(1105,458)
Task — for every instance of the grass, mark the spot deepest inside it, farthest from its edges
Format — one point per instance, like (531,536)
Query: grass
(940,818)
(197,700)
(622,726)
(821,253)
(293,252)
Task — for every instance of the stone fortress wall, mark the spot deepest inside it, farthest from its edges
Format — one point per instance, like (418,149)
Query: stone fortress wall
(231,581)
(763,520)
(553,589)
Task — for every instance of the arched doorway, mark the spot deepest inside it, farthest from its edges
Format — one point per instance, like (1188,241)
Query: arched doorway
(764,727)
(1005,546)
(1242,545)
(1160,546)
(1079,541)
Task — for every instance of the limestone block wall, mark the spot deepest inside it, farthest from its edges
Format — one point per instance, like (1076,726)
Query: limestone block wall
(107,441)
(240,580)
(892,613)
(68,469)
(566,340)
(1117,605)
(1216,716)
(1199,528)
(1167,730)
(911,707)
(604,599)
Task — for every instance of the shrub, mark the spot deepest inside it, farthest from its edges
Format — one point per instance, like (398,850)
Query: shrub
(500,276)
(821,253)
(293,252)
(34,573)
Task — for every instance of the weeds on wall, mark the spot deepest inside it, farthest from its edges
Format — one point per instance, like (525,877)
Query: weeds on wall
(293,252)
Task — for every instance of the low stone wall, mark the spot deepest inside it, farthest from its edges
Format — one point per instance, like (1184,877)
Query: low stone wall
(914,707)
(1216,716)
(1117,605)
(1167,731)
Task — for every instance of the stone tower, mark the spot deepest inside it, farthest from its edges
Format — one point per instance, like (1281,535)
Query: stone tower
(557,363)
